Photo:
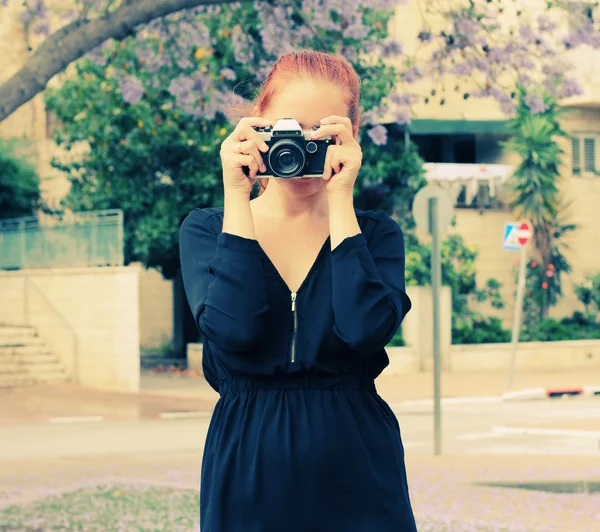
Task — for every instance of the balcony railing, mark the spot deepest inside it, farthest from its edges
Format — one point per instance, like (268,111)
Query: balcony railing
(471,185)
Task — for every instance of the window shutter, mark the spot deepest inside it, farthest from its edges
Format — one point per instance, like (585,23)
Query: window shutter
(589,155)
(576,157)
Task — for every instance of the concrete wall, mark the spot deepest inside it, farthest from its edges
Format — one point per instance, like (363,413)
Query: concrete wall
(538,356)
(100,305)
(156,310)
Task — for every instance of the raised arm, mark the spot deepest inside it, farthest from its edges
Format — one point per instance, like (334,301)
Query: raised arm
(224,282)
(369,298)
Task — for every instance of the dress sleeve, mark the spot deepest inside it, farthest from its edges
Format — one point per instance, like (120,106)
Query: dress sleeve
(369,298)
(224,282)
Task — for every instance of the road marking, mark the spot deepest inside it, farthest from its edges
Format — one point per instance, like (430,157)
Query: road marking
(184,415)
(77,419)
(592,434)
(451,401)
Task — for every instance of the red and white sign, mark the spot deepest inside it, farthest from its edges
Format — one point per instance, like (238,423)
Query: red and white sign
(525,232)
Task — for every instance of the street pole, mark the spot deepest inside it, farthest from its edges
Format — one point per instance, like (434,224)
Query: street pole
(516,328)
(436,282)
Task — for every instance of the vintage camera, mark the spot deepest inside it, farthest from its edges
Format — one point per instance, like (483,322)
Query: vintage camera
(292,153)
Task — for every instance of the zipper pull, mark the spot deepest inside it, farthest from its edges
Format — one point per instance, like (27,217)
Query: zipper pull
(294,302)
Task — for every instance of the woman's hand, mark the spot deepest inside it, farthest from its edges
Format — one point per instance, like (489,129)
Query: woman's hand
(344,157)
(243,148)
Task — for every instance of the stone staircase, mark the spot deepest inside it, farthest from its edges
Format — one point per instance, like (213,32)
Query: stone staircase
(25,360)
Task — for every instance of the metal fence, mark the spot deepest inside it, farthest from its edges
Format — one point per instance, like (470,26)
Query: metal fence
(76,240)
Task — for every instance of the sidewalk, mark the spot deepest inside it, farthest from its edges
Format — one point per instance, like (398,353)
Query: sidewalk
(162,393)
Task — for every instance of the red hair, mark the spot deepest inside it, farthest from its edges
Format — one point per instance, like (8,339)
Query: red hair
(324,66)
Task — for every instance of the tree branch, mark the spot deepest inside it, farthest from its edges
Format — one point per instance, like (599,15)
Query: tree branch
(78,38)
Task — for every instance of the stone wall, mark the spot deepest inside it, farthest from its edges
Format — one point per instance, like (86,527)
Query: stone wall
(99,305)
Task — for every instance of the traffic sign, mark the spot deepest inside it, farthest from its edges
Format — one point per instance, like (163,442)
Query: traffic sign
(525,232)
(421,210)
(511,238)
(517,235)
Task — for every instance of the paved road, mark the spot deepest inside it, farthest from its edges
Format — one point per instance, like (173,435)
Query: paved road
(45,459)
(486,428)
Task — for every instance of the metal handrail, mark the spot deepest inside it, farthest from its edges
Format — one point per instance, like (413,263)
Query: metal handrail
(61,317)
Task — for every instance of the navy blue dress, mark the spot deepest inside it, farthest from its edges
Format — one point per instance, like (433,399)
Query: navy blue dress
(299,441)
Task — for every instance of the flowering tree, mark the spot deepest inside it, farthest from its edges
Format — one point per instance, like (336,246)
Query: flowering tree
(478,45)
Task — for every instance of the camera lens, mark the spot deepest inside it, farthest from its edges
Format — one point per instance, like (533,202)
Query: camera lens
(286,158)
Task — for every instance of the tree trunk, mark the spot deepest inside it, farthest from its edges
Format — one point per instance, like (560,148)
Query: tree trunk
(78,38)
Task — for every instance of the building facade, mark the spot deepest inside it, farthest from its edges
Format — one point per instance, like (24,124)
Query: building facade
(460,142)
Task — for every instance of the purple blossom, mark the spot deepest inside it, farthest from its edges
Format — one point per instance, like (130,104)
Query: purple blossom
(39,9)
(507,106)
(378,135)
(196,33)
(157,62)
(570,87)
(356,31)
(463,69)
(545,24)
(181,88)
(350,53)
(97,56)
(467,28)
(145,54)
(132,89)
(402,115)
(184,63)
(374,115)
(242,51)
(26,16)
(412,74)
(535,103)
(527,34)
(386,5)
(3,3)
(401,100)
(391,47)
(201,83)
(524,62)
(228,74)
(42,29)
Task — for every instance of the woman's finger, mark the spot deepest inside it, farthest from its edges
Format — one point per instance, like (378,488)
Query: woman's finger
(336,160)
(334,119)
(327,167)
(339,131)
(249,147)
(239,160)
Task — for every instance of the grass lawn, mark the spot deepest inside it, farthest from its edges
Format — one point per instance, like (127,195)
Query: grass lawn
(107,509)
(144,509)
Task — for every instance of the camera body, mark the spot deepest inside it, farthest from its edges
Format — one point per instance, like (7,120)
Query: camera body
(292,153)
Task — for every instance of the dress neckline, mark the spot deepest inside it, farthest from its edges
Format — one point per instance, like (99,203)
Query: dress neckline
(310,271)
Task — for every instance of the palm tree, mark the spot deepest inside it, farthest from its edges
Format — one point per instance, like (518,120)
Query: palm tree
(534,189)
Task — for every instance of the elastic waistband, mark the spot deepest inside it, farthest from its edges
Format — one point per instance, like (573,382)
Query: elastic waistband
(293,382)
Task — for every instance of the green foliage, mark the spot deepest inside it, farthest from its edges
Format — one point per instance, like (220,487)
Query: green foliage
(147,159)
(578,327)
(19,183)
(488,330)
(588,292)
(389,178)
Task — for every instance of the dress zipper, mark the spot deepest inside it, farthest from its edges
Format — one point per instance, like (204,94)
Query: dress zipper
(293,353)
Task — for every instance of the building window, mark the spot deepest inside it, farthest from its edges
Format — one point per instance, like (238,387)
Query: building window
(583,154)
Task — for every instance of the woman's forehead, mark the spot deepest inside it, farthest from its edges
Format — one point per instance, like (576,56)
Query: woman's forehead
(308,101)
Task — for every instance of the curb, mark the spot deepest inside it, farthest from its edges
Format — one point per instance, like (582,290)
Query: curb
(590,390)
(529,394)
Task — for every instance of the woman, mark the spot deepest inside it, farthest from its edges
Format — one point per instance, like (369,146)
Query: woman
(297,294)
